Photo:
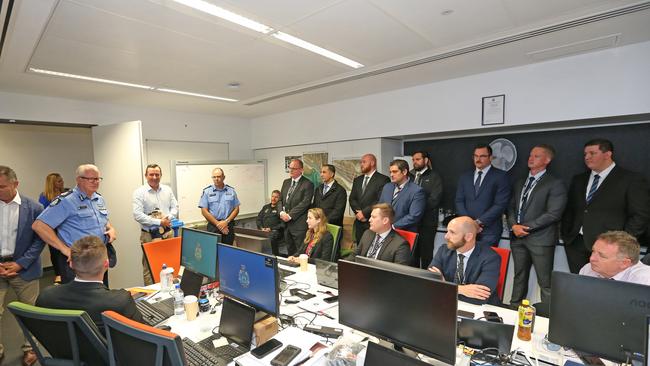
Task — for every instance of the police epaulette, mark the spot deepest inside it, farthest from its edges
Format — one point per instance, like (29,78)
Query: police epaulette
(58,198)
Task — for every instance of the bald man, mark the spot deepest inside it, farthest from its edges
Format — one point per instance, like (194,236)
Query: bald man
(474,268)
(366,190)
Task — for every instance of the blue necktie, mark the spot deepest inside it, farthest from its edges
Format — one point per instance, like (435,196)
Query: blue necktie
(594,188)
(477,182)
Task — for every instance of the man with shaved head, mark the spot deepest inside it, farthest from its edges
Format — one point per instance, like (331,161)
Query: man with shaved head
(366,190)
(474,268)
(219,205)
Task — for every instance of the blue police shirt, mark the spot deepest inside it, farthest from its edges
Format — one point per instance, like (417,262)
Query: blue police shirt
(74,215)
(220,202)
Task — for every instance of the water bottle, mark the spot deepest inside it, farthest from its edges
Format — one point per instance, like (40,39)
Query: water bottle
(166,279)
(526,321)
(179,307)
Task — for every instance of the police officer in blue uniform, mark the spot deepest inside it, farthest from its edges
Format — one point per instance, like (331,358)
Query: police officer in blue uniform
(75,214)
(219,205)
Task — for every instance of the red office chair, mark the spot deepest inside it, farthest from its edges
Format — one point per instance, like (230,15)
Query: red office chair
(412,239)
(504,253)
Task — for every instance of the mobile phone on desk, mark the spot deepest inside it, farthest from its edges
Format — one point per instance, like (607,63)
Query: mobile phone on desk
(331,299)
(266,348)
(286,356)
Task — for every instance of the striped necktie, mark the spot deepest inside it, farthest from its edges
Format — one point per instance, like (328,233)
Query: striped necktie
(593,189)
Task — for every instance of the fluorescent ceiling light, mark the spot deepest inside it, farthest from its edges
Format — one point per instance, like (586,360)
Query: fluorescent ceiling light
(313,48)
(212,9)
(121,83)
(88,78)
(195,94)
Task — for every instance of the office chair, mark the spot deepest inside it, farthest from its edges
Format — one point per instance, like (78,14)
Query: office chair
(336,232)
(167,251)
(504,253)
(133,343)
(412,239)
(69,336)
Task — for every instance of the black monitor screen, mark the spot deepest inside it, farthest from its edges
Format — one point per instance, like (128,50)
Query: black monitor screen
(250,277)
(377,355)
(396,267)
(598,316)
(414,312)
(199,251)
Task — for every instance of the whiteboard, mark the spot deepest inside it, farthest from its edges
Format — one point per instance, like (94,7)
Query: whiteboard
(247,177)
(164,152)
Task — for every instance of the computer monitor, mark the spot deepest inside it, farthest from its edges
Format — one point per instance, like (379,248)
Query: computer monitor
(481,334)
(409,311)
(598,316)
(199,251)
(249,277)
(395,267)
(377,355)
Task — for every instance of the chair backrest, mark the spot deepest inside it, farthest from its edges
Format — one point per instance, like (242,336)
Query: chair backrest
(133,343)
(410,237)
(504,253)
(336,232)
(69,336)
(166,251)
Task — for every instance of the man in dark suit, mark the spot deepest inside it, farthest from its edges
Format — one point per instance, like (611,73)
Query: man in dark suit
(534,216)
(20,249)
(605,198)
(427,178)
(483,194)
(365,193)
(87,292)
(381,241)
(474,268)
(330,196)
(297,192)
(407,198)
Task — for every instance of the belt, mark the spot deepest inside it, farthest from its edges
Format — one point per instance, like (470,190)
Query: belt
(6,258)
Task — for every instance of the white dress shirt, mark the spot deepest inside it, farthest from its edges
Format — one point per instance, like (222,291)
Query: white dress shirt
(9,225)
(146,200)
(638,273)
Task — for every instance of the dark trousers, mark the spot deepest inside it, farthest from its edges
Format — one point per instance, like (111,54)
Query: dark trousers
(294,240)
(54,254)
(488,239)
(525,256)
(577,254)
(225,238)
(277,237)
(424,250)
(359,229)
(67,274)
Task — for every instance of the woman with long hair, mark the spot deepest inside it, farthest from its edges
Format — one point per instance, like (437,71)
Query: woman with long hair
(318,241)
(53,188)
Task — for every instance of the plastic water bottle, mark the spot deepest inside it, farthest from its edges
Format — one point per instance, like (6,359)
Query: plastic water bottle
(166,279)
(179,307)
(526,321)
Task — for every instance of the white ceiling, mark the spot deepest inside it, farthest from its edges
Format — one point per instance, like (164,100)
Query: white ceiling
(167,45)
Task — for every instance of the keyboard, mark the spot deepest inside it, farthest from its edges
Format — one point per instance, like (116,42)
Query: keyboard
(165,306)
(195,355)
(226,353)
(288,263)
(150,315)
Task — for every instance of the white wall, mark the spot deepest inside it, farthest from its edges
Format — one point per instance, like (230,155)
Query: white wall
(599,84)
(156,123)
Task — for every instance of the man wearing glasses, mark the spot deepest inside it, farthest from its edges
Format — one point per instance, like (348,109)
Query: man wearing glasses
(74,214)
(219,205)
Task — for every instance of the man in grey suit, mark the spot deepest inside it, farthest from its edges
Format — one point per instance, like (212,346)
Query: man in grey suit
(534,214)
(381,241)
(297,192)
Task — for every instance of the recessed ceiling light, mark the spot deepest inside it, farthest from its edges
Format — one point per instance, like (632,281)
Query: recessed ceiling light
(195,94)
(446,12)
(88,78)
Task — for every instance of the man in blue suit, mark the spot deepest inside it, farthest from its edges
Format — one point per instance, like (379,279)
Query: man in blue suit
(20,249)
(473,267)
(407,198)
(484,194)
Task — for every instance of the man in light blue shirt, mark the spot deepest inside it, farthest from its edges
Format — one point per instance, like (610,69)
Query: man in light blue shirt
(74,214)
(219,205)
(154,208)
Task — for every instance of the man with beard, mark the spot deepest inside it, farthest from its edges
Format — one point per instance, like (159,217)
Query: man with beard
(475,268)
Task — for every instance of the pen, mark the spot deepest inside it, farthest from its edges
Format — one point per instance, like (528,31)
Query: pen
(152,295)
(325,315)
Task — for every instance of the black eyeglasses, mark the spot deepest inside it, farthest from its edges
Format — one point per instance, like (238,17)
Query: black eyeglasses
(92,179)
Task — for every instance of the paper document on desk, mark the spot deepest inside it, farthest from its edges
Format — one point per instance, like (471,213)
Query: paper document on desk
(292,335)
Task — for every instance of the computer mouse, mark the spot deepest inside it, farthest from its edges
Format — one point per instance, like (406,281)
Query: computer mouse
(163,327)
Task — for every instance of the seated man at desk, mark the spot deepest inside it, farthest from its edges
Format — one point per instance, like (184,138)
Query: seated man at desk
(474,268)
(615,255)
(380,241)
(268,219)
(89,261)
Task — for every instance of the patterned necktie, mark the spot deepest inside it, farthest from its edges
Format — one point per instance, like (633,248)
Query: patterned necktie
(418,176)
(460,272)
(293,186)
(594,188)
(477,182)
(374,248)
(325,189)
(524,198)
(365,184)
(396,193)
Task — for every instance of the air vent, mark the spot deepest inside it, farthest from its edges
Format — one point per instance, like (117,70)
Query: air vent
(474,48)
(575,48)
(5,15)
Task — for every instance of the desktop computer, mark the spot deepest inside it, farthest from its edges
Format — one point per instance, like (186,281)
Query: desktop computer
(199,252)
(409,311)
(249,277)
